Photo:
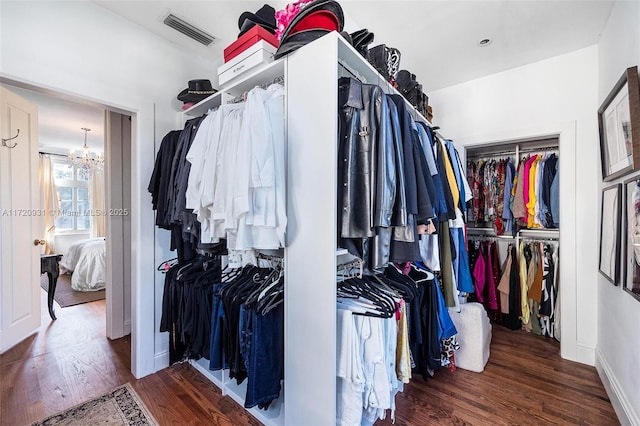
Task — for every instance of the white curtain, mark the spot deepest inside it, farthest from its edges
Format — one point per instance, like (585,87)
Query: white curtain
(49,202)
(97,203)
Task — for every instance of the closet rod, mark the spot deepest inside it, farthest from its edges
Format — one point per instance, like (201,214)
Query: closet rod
(351,71)
(243,97)
(490,237)
(492,155)
(480,231)
(539,240)
(512,152)
(540,149)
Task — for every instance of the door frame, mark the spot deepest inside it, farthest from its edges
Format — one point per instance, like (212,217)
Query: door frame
(566,132)
(142,112)
(117,151)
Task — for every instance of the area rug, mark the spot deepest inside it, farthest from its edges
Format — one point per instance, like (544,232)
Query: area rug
(121,406)
(67,296)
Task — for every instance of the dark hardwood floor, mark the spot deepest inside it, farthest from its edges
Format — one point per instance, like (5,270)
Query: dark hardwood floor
(70,360)
(525,382)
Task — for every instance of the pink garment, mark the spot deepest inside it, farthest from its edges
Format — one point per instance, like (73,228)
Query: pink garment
(492,253)
(479,275)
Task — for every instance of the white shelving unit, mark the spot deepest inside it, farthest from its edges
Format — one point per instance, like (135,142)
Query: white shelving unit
(273,416)
(311,83)
(260,75)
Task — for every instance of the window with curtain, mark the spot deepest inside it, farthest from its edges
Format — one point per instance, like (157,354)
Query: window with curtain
(72,183)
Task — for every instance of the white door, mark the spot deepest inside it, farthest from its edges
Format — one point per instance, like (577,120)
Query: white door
(20,220)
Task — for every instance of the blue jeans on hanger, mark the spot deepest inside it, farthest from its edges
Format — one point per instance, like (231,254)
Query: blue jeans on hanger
(266,358)
(245,329)
(216,353)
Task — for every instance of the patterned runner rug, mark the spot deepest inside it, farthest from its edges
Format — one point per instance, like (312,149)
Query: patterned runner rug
(121,406)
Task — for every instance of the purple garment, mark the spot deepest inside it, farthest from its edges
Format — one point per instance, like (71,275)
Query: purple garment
(492,256)
(479,274)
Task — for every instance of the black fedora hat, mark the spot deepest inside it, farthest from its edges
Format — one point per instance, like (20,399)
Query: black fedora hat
(250,23)
(197,91)
(313,21)
(265,17)
(314,16)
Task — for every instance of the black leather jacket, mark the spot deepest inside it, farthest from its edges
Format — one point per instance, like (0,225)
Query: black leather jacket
(366,160)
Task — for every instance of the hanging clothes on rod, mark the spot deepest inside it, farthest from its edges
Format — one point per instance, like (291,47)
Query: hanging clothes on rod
(491,181)
(534,202)
(376,345)
(509,198)
(237,187)
(539,290)
(186,306)
(222,178)
(398,184)
(486,274)
(523,292)
(247,330)
(167,187)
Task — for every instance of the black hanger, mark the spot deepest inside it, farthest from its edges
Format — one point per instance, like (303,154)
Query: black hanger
(167,264)
(273,298)
(269,281)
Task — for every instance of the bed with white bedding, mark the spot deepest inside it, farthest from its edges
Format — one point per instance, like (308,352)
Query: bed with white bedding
(86,260)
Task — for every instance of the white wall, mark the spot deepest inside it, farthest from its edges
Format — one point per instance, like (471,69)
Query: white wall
(84,50)
(618,353)
(544,98)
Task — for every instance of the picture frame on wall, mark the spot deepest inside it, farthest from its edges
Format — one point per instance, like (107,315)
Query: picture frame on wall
(619,124)
(631,282)
(610,233)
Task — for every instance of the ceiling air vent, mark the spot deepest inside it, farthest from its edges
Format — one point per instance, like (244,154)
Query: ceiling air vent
(189,30)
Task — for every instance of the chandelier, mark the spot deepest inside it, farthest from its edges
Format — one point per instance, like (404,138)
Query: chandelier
(86,159)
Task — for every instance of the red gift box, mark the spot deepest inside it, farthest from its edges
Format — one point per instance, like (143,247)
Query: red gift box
(247,40)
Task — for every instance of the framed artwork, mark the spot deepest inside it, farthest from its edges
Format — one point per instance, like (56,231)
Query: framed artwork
(619,123)
(631,282)
(610,233)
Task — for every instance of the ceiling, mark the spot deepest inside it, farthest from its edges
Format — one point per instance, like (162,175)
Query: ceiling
(438,41)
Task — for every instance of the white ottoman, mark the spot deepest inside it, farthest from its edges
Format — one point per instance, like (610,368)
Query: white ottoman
(474,336)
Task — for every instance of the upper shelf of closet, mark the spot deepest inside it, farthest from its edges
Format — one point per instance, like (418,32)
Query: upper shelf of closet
(247,82)
(348,58)
(511,149)
(355,64)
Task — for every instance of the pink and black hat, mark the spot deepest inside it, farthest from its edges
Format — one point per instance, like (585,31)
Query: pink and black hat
(312,20)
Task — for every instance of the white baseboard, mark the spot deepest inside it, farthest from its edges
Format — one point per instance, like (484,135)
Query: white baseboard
(127,327)
(161,360)
(624,410)
(585,354)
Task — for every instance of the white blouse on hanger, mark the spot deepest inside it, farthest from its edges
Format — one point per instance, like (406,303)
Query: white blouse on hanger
(236,184)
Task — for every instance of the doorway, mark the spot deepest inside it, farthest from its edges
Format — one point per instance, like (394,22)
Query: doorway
(81,210)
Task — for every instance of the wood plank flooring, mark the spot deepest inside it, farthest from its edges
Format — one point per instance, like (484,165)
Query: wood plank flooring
(525,382)
(69,361)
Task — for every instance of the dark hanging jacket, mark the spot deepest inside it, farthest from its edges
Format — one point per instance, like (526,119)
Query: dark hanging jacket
(160,178)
